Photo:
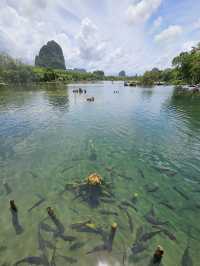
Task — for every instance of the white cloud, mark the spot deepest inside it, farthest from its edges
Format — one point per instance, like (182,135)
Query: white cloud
(157,23)
(196,25)
(169,34)
(139,12)
(187,46)
(91,46)
(104,40)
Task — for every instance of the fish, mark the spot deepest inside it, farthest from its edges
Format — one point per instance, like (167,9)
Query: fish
(151,188)
(154,221)
(15,221)
(168,205)
(125,176)
(74,210)
(166,170)
(34,175)
(197,190)
(58,224)
(147,236)
(181,193)
(104,212)
(170,235)
(77,245)
(65,237)
(93,156)
(49,245)
(130,221)
(38,203)
(31,260)
(47,228)
(128,204)
(105,200)
(41,244)
(53,262)
(3,248)
(186,259)
(151,218)
(109,169)
(138,247)
(141,173)
(80,224)
(68,259)
(102,247)
(140,231)
(124,258)
(90,229)
(7,187)
(66,169)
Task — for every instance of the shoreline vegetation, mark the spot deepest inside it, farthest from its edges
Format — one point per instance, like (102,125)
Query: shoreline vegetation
(185,71)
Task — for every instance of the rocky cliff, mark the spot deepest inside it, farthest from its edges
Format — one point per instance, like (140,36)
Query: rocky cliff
(51,56)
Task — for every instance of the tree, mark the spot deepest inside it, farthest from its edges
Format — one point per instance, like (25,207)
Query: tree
(187,65)
(99,73)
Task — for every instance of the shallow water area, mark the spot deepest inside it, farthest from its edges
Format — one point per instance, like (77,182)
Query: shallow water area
(144,142)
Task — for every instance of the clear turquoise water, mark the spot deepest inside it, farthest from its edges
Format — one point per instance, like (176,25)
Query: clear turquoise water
(140,139)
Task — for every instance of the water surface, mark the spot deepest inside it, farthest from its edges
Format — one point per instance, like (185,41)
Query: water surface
(141,140)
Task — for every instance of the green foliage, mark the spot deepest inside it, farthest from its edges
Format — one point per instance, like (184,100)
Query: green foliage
(12,70)
(186,70)
(99,73)
(148,79)
(187,65)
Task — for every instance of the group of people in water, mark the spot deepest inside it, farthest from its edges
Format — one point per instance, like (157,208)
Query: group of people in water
(79,90)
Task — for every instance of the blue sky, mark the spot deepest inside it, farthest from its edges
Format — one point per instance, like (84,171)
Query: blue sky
(133,35)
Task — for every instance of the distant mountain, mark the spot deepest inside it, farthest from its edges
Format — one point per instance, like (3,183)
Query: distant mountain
(51,56)
(122,73)
(81,70)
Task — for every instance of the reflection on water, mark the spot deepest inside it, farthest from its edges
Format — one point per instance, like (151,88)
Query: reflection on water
(145,144)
